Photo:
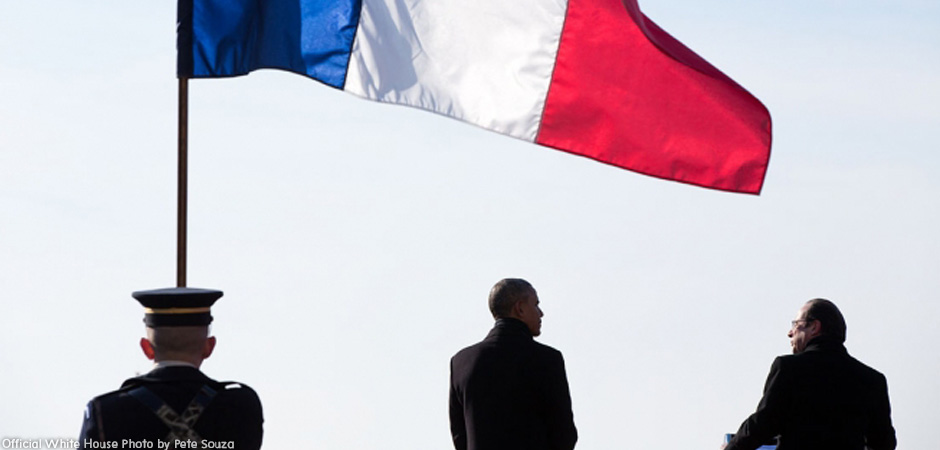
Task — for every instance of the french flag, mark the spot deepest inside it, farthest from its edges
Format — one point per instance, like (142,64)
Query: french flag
(595,78)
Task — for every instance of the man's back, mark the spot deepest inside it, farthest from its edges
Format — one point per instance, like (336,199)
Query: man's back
(510,392)
(840,402)
(231,412)
(821,398)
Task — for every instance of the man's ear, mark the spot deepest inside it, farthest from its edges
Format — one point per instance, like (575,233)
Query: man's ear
(208,347)
(815,328)
(147,347)
(517,311)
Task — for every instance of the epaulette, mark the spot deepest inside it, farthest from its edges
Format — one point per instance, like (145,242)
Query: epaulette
(232,385)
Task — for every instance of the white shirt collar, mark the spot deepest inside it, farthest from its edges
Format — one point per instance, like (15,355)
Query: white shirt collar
(163,364)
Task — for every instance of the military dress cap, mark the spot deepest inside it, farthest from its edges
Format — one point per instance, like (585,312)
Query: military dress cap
(177,307)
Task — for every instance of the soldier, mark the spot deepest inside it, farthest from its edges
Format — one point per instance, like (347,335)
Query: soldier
(175,402)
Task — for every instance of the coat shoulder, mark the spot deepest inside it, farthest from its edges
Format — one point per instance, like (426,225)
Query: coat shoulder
(112,396)
(547,350)
(231,393)
(236,392)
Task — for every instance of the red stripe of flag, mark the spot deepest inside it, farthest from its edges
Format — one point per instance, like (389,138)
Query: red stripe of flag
(626,93)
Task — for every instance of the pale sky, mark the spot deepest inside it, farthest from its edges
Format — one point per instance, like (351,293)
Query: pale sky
(356,242)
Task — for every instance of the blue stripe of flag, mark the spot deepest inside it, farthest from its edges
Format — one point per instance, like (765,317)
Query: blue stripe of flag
(225,38)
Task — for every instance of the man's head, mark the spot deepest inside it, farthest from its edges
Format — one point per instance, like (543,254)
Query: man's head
(190,344)
(177,321)
(516,298)
(818,317)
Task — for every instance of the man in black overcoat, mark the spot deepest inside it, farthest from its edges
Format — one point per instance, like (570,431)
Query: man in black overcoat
(509,392)
(175,405)
(820,398)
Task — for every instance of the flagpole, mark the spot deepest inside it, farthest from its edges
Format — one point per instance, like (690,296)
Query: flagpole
(182,181)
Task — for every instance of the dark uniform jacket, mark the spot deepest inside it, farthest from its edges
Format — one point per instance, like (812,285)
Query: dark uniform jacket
(231,418)
(510,392)
(821,398)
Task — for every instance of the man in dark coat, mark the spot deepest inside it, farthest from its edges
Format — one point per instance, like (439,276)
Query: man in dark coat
(509,392)
(175,402)
(820,398)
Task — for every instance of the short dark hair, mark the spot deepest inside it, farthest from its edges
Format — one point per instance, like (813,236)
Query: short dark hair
(506,293)
(829,316)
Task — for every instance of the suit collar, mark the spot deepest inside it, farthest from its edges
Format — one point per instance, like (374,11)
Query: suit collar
(510,327)
(169,373)
(825,343)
